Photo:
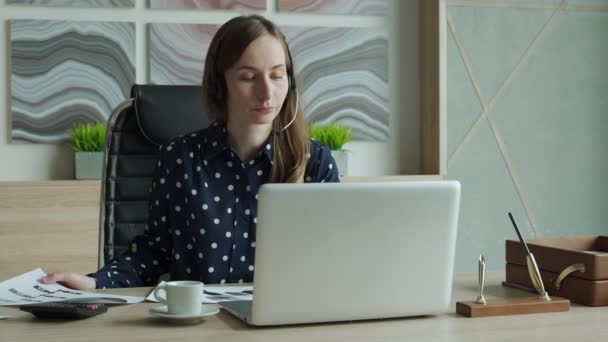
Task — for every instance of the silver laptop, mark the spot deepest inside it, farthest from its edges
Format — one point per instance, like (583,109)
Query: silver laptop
(351,251)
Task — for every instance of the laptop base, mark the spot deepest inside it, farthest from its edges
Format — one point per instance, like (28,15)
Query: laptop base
(239,308)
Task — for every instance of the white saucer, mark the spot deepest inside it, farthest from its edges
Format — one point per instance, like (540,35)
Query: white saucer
(162,311)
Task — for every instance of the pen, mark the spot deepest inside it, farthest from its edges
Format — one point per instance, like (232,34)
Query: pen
(537,281)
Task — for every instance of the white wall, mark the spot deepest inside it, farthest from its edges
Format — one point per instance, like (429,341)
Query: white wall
(398,156)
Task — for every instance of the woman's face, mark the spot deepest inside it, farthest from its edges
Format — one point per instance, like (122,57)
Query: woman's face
(257,83)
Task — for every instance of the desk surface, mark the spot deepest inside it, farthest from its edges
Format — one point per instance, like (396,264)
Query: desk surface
(133,323)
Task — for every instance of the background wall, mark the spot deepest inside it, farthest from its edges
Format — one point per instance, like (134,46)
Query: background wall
(527,120)
(395,153)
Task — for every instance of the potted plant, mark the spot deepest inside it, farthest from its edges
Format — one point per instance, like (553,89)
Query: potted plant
(334,136)
(89,143)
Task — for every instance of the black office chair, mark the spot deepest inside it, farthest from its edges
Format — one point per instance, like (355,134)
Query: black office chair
(152,116)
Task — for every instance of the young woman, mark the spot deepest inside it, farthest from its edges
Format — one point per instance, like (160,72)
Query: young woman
(203,199)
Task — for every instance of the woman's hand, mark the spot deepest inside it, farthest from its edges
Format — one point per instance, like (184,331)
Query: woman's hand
(72,280)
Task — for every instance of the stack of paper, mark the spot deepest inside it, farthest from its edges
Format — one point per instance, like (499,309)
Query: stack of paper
(26,289)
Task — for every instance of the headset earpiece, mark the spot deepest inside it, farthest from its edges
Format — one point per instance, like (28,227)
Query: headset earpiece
(220,88)
(290,77)
(290,81)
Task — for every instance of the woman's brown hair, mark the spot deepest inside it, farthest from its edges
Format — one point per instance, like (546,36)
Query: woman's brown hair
(291,145)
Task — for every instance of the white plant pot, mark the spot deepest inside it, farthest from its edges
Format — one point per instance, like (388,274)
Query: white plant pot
(88,165)
(341,157)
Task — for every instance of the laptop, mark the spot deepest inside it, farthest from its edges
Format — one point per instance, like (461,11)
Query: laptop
(351,251)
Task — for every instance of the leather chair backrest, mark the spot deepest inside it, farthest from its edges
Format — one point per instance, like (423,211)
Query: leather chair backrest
(153,116)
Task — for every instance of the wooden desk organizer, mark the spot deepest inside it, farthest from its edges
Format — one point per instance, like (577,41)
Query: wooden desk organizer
(512,306)
(554,256)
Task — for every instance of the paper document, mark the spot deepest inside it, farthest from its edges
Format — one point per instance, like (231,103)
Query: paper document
(26,289)
(216,294)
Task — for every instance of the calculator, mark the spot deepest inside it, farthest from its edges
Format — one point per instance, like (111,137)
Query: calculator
(64,310)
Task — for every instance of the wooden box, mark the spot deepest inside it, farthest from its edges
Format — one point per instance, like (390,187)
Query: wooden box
(581,261)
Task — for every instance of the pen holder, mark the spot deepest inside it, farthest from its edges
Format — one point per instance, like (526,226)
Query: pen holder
(512,306)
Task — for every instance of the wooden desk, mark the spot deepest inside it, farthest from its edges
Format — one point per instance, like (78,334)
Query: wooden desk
(133,323)
(49,224)
(55,224)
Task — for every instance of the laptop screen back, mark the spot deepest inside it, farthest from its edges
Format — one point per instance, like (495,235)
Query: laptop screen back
(348,251)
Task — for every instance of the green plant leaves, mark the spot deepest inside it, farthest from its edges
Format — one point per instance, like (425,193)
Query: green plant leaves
(333,135)
(88,137)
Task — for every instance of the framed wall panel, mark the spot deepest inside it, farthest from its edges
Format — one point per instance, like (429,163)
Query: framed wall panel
(177,52)
(343,77)
(74,3)
(65,72)
(342,73)
(351,7)
(231,5)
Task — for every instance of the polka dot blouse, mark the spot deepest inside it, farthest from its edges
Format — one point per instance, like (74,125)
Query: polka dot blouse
(202,212)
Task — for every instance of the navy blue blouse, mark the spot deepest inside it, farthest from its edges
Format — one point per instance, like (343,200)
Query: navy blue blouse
(202,212)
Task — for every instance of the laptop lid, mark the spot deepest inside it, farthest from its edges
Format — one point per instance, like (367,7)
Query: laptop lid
(349,251)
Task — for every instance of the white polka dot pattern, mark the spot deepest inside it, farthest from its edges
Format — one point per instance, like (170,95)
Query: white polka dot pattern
(203,212)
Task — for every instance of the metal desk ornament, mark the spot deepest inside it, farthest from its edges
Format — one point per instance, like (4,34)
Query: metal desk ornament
(513,305)
(482,277)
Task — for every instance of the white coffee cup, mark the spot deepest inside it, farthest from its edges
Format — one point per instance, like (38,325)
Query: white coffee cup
(183,297)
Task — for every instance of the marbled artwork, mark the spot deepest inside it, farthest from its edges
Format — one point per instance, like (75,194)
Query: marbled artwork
(233,5)
(353,7)
(177,52)
(342,76)
(341,73)
(74,3)
(66,72)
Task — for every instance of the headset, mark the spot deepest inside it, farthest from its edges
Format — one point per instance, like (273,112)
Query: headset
(217,89)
